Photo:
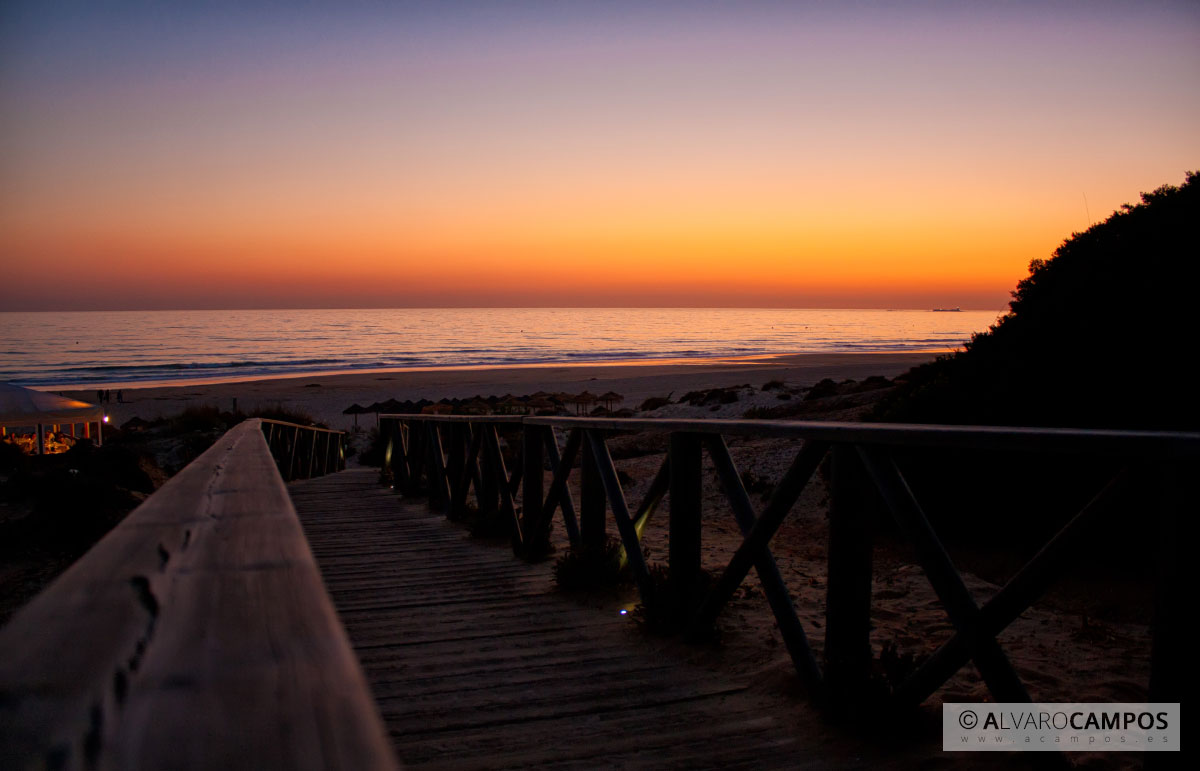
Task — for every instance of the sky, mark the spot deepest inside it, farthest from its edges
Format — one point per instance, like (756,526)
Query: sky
(371,154)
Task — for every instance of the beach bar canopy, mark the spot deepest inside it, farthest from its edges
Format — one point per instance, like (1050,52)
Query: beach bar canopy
(26,407)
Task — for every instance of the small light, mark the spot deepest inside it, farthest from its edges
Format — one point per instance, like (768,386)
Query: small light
(105,418)
(623,612)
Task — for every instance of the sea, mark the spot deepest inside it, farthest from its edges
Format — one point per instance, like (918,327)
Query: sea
(57,349)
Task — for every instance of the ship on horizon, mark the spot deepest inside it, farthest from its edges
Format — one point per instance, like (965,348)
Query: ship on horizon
(947,310)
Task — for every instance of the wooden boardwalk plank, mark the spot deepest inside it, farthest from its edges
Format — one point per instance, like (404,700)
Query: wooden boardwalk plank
(477,662)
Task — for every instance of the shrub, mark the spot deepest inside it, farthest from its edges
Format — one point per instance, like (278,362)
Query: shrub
(1085,332)
(286,414)
(654,402)
(582,569)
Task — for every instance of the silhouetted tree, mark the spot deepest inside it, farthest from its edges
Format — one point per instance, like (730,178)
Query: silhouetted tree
(1102,334)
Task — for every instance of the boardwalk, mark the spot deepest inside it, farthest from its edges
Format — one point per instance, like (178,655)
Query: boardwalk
(475,661)
(215,639)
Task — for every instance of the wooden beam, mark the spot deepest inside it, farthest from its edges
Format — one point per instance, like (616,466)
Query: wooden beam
(536,532)
(559,496)
(592,501)
(1014,597)
(439,483)
(773,584)
(848,656)
(1168,670)
(997,671)
(487,489)
(416,456)
(683,547)
(1092,442)
(455,466)
(469,471)
(210,641)
(398,443)
(616,499)
(507,505)
(658,488)
(291,472)
(755,543)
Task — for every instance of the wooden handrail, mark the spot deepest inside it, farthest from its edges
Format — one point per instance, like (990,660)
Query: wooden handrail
(453,418)
(196,634)
(300,459)
(1089,441)
(456,453)
(300,425)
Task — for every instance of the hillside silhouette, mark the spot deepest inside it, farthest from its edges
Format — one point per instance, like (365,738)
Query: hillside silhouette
(1102,334)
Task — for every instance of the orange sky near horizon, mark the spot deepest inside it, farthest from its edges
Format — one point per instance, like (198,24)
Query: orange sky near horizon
(779,158)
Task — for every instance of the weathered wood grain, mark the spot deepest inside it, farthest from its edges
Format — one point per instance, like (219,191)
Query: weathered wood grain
(197,634)
(478,662)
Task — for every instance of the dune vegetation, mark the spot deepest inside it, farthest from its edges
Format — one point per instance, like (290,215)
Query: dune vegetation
(1099,335)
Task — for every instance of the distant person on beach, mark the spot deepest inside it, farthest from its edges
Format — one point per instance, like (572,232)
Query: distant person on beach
(120,398)
(99,396)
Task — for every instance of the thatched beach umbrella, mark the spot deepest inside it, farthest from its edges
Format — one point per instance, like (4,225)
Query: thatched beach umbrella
(391,406)
(355,409)
(510,404)
(611,397)
(583,400)
(477,406)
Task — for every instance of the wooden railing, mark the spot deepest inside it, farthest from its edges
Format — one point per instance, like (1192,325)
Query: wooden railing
(196,634)
(302,452)
(452,456)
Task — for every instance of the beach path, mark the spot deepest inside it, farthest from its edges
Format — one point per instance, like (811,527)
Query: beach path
(476,661)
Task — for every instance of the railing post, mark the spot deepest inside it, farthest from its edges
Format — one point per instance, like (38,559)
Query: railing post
(537,539)
(439,491)
(387,435)
(398,447)
(848,586)
(455,463)
(1166,654)
(591,503)
(312,454)
(684,543)
(290,475)
(416,456)
(488,493)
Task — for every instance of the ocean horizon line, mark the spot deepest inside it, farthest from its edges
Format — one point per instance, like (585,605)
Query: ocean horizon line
(783,308)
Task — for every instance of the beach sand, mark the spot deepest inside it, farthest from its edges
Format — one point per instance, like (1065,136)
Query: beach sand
(325,396)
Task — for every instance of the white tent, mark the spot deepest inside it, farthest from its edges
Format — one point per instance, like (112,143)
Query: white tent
(26,407)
